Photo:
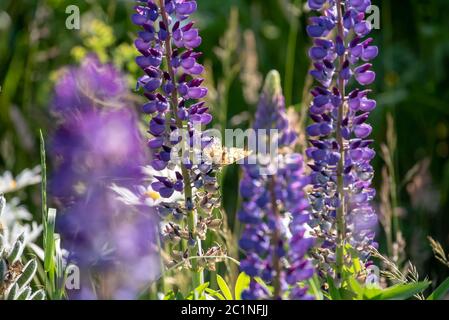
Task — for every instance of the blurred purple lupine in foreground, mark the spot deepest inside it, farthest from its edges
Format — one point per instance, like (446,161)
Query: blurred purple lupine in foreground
(92,86)
(340,147)
(275,210)
(95,145)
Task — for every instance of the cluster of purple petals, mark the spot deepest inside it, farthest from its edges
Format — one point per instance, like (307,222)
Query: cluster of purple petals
(275,212)
(341,54)
(288,219)
(271,114)
(91,86)
(172,82)
(93,146)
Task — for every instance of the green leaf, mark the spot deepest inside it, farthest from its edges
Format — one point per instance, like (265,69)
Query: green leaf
(38,295)
(347,294)
(314,287)
(179,296)
(215,294)
(441,291)
(16,252)
(2,245)
(169,295)
(224,287)
(356,288)
(197,294)
(200,289)
(24,294)
(3,270)
(263,284)
(356,265)
(12,293)
(49,262)
(44,179)
(333,290)
(241,285)
(27,274)
(402,291)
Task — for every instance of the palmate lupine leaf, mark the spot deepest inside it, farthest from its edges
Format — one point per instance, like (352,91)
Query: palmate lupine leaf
(203,292)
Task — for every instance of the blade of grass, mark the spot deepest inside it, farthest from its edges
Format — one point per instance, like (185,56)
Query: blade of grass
(291,54)
(440,292)
(44,180)
(48,222)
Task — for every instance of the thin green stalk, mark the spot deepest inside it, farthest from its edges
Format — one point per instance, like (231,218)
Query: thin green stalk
(112,8)
(303,113)
(237,225)
(392,163)
(341,211)
(48,256)
(394,200)
(291,55)
(161,286)
(275,242)
(388,152)
(230,73)
(197,276)
(194,258)
(44,179)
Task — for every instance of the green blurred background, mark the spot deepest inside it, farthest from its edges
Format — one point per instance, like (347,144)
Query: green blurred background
(242,41)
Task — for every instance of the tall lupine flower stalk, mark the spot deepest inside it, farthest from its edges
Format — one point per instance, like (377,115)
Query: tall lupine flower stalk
(275,209)
(172,85)
(339,141)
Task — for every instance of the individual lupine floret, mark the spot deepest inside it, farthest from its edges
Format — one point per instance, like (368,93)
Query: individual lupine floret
(275,209)
(340,149)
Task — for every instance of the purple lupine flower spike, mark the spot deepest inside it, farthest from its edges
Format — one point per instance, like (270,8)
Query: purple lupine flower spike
(275,210)
(170,89)
(339,136)
(173,85)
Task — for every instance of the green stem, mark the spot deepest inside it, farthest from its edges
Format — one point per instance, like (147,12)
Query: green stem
(161,287)
(275,242)
(341,211)
(290,58)
(49,278)
(389,239)
(194,258)
(44,178)
(303,113)
(197,276)
(394,197)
